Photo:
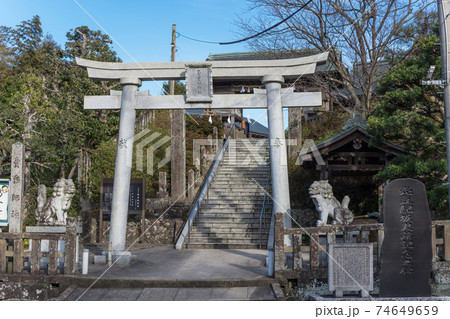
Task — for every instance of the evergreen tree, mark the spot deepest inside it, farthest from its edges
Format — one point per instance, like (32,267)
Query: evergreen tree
(412,115)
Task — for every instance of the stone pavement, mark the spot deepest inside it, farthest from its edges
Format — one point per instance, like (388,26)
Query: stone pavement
(173,294)
(169,263)
(164,273)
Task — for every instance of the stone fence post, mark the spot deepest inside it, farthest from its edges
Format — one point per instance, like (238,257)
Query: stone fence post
(280,257)
(70,249)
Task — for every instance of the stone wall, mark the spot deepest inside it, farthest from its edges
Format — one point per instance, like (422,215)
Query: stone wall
(163,224)
(29,291)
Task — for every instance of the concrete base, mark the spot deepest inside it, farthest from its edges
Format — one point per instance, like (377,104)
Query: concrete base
(119,258)
(122,258)
(100,259)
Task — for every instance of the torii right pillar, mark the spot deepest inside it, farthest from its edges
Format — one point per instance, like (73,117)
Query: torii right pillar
(278,151)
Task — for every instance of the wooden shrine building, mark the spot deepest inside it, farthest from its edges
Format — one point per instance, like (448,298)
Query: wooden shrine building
(349,162)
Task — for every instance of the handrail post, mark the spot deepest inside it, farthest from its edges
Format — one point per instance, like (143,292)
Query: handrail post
(263,213)
(189,234)
(260,234)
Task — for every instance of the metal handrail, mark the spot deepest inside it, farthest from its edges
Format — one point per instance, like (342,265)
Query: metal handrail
(193,214)
(263,211)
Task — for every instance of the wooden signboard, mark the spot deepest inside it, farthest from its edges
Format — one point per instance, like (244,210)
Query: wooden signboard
(136,201)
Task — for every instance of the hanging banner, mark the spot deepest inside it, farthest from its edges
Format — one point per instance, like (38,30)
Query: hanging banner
(4,202)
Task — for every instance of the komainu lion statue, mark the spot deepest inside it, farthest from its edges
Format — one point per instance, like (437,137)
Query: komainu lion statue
(53,211)
(326,204)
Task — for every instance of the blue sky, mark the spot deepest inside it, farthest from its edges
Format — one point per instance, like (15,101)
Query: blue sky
(141,29)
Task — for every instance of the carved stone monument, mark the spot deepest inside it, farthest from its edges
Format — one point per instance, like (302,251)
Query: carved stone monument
(326,204)
(162,192)
(17,188)
(350,268)
(406,254)
(53,211)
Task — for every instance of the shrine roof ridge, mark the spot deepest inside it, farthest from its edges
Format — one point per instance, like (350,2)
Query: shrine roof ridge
(240,69)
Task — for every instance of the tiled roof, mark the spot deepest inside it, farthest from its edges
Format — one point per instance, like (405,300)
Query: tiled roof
(258,128)
(270,55)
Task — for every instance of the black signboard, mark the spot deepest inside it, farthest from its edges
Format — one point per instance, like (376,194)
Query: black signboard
(136,199)
(136,202)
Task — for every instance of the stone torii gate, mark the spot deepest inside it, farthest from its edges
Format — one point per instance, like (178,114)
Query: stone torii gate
(272,74)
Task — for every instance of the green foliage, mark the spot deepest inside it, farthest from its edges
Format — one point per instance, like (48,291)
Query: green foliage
(89,44)
(412,116)
(330,124)
(41,101)
(299,182)
(199,128)
(179,89)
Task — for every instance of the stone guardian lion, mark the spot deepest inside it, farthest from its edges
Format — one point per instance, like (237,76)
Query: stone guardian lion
(327,205)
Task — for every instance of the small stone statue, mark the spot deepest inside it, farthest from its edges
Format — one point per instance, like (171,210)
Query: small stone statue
(326,204)
(54,210)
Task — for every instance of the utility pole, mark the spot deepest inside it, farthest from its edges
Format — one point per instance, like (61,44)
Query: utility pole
(172,56)
(178,146)
(444,31)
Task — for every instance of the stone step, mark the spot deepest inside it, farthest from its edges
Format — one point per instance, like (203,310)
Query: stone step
(228,190)
(244,205)
(195,234)
(226,212)
(226,245)
(241,240)
(231,219)
(235,200)
(212,198)
(246,174)
(238,168)
(224,225)
(228,230)
(230,216)
(244,165)
(253,146)
(230,213)
(251,156)
(237,160)
(240,178)
(236,184)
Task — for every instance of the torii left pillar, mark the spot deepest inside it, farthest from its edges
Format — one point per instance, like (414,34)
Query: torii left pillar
(124,158)
(278,151)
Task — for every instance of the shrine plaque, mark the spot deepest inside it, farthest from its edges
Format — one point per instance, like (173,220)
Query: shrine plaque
(350,268)
(4,202)
(198,83)
(406,255)
(136,199)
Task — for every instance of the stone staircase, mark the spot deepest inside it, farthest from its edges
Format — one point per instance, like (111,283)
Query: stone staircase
(229,217)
